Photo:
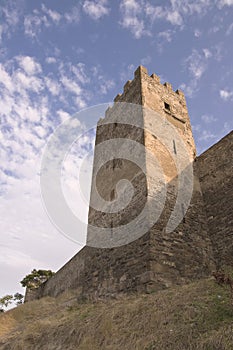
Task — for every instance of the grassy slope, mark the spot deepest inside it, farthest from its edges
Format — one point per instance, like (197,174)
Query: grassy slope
(195,316)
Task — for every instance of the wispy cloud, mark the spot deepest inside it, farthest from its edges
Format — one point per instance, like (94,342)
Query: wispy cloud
(138,16)
(196,64)
(29,65)
(54,15)
(226,95)
(197,33)
(208,119)
(39,19)
(96,9)
(132,19)
(73,16)
(163,38)
(222,3)
(50,59)
(10,13)
(34,23)
(229,29)
(146,60)
(206,135)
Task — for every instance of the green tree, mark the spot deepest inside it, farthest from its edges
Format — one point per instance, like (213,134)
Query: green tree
(18,298)
(36,278)
(5,301)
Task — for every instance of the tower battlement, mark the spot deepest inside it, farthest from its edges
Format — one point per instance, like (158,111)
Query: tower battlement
(140,73)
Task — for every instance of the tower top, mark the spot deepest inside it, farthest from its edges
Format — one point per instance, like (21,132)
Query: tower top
(141,74)
(148,91)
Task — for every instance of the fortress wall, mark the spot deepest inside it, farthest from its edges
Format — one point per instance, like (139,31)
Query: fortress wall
(95,272)
(216,170)
(184,254)
(70,276)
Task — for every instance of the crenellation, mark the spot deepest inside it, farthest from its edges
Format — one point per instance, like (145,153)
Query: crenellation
(168,86)
(118,97)
(180,93)
(127,85)
(155,78)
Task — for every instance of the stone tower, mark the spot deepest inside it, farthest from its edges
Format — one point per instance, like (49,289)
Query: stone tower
(155,256)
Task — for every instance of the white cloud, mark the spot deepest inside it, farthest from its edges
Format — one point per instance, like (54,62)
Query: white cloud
(52,86)
(71,85)
(163,38)
(54,15)
(197,33)
(174,17)
(135,25)
(223,3)
(146,60)
(205,135)
(79,71)
(207,53)
(73,16)
(96,9)
(63,115)
(154,12)
(190,7)
(29,65)
(33,24)
(50,60)
(132,19)
(40,131)
(10,14)
(31,83)
(106,86)
(189,89)
(226,95)
(127,72)
(178,11)
(208,119)
(196,64)
(139,15)
(5,79)
(80,102)
(166,35)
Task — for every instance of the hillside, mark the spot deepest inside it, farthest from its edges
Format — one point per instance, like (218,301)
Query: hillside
(194,316)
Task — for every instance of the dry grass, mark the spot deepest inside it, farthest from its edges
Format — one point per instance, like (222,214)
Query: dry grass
(196,316)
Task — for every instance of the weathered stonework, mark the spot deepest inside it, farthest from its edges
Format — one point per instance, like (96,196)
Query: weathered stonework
(202,240)
(215,172)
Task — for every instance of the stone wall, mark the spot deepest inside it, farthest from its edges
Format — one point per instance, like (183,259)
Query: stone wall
(185,254)
(95,273)
(216,169)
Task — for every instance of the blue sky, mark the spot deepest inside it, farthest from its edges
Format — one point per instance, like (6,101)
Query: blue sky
(57,58)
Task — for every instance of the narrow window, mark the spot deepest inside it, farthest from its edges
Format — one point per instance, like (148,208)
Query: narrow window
(174,147)
(167,106)
(183,212)
(112,195)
